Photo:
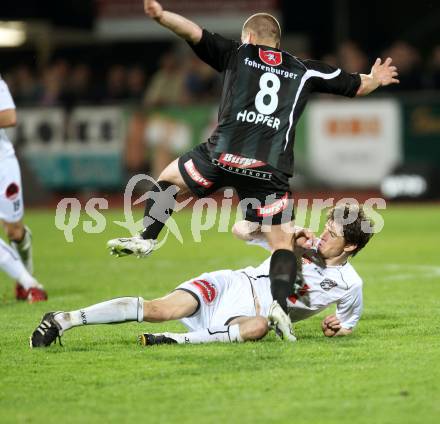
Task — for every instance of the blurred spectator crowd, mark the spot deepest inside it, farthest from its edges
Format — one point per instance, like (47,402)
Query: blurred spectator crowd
(179,80)
(414,72)
(182,79)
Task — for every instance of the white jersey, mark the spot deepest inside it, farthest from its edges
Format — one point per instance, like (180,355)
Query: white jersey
(6,102)
(224,295)
(322,287)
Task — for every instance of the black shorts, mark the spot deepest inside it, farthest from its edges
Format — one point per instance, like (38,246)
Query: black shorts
(263,191)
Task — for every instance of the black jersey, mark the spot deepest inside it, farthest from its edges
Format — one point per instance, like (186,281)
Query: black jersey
(264,93)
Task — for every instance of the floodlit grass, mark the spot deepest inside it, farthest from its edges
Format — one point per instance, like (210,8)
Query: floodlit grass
(388,371)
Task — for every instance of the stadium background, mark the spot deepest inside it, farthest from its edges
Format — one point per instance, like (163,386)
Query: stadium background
(103,93)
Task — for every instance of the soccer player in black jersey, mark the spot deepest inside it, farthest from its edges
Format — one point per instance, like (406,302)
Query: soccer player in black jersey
(265,90)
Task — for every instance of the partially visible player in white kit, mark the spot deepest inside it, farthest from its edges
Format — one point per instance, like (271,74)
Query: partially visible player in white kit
(236,306)
(15,260)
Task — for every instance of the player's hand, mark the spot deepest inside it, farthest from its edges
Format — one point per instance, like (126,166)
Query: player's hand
(304,238)
(384,73)
(330,325)
(153,9)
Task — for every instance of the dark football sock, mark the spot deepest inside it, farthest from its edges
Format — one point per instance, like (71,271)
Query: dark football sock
(282,275)
(158,208)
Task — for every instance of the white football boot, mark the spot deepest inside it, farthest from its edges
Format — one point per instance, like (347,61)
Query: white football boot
(280,322)
(136,246)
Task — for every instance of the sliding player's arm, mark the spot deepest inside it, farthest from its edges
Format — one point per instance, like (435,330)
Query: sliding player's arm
(348,313)
(181,26)
(381,75)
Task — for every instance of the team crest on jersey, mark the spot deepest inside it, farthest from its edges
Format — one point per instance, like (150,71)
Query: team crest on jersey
(12,191)
(206,289)
(328,284)
(239,161)
(270,57)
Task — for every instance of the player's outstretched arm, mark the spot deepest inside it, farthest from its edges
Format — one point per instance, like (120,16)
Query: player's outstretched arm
(181,26)
(381,75)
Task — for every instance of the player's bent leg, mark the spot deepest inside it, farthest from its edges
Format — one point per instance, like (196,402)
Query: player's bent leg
(283,265)
(27,287)
(54,324)
(158,208)
(20,237)
(223,334)
(178,304)
(252,328)
(240,329)
(15,231)
(278,236)
(172,175)
(247,230)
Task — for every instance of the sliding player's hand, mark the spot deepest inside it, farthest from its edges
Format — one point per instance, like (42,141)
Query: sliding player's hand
(304,238)
(153,9)
(330,325)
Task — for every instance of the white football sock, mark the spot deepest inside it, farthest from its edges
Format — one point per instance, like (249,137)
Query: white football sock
(121,309)
(24,249)
(11,263)
(225,334)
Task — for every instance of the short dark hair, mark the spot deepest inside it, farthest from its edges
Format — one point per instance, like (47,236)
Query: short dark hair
(265,26)
(354,231)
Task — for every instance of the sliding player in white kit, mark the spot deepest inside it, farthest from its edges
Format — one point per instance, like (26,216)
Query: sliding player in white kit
(16,260)
(236,306)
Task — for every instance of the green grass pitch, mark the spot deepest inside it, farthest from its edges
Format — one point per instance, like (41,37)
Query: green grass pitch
(388,371)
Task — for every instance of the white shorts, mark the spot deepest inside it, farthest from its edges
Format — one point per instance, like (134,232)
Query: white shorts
(221,296)
(11,193)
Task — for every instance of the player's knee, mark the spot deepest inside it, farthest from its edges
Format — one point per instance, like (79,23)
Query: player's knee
(172,175)
(14,231)
(245,230)
(154,311)
(256,329)
(237,231)
(261,327)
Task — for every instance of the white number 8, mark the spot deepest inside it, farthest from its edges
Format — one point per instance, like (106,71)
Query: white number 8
(266,90)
